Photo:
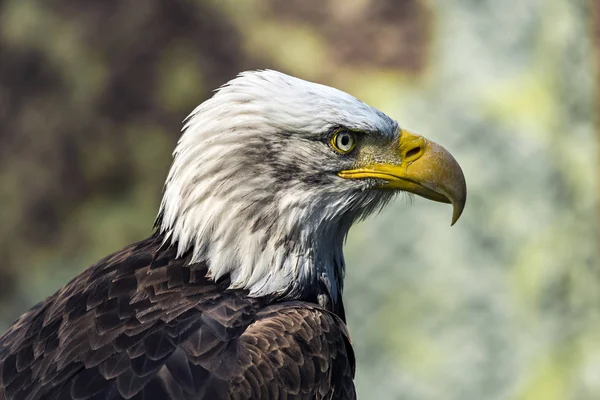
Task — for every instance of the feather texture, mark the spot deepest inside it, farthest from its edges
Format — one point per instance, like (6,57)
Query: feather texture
(142,324)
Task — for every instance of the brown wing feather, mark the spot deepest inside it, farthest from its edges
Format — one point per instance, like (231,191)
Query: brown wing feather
(143,324)
(300,351)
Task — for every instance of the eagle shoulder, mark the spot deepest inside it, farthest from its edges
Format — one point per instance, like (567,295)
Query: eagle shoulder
(142,323)
(298,350)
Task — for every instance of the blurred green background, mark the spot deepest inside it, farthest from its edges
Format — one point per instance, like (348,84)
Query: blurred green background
(504,305)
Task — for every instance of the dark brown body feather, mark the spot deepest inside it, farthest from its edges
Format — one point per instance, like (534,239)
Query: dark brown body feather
(143,324)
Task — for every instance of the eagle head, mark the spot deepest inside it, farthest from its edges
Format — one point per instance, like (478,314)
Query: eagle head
(272,171)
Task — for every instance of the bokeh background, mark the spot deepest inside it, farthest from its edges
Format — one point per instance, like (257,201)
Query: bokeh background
(504,305)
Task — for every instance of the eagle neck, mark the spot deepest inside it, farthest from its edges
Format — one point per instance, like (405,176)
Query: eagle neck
(321,281)
(326,288)
(290,256)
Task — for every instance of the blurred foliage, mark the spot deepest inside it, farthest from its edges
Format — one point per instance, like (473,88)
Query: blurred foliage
(505,305)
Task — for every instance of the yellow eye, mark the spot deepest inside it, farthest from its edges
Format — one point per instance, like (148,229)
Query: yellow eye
(343,141)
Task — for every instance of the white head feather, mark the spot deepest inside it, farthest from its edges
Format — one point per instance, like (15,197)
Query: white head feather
(253,190)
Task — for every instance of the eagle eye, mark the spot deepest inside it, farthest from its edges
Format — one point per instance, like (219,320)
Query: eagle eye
(343,141)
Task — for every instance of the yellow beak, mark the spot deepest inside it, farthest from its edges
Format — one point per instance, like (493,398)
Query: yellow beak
(424,168)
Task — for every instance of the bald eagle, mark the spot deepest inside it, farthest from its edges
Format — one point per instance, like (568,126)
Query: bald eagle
(238,292)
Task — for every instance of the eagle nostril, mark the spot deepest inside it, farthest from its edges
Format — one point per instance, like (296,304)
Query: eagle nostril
(413,152)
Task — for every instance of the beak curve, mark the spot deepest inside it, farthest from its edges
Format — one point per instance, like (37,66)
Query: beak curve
(424,168)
